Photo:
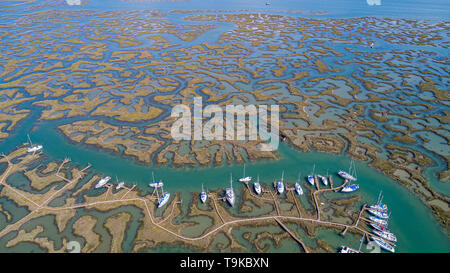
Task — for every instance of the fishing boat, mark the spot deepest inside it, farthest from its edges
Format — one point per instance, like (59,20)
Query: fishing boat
(298,188)
(311,177)
(346,249)
(386,235)
(257,186)
(102,182)
(33,148)
(378,220)
(245,178)
(350,188)
(384,245)
(229,193)
(379,214)
(203,195)
(351,174)
(280,184)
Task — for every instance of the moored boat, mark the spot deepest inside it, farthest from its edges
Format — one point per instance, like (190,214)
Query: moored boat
(298,188)
(310,177)
(379,227)
(102,182)
(379,214)
(257,186)
(280,184)
(165,197)
(386,235)
(383,244)
(245,178)
(229,193)
(350,188)
(203,195)
(378,220)
(351,174)
(120,185)
(323,179)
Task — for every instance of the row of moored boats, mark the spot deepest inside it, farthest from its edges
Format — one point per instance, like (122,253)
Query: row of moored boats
(379,220)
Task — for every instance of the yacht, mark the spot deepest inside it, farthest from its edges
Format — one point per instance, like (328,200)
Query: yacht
(378,220)
(311,177)
(379,206)
(33,148)
(229,193)
(280,184)
(380,242)
(351,174)
(120,185)
(379,214)
(324,180)
(386,235)
(298,188)
(379,227)
(156,184)
(165,197)
(350,188)
(203,195)
(102,182)
(257,186)
(245,178)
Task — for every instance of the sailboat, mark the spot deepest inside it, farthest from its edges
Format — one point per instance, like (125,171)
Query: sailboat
(33,148)
(156,184)
(350,188)
(351,174)
(257,186)
(120,184)
(378,220)
(245,178)
(379,206)
(298,188)
(380,242)
(164,195)
(311,177)
(102,182)
(324,179)
(229,193)
(386,235)
(280,184)
(203,195)
(379,214)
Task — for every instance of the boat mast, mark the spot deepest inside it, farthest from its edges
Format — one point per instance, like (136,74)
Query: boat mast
(29,140)
(282,176)
(362,239)
(156,185)
(314,167)
(244,171)
(299,175)
(231,181)
(258,178)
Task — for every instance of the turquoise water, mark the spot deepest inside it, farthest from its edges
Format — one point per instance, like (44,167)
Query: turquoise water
(411,221)
(416,228)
